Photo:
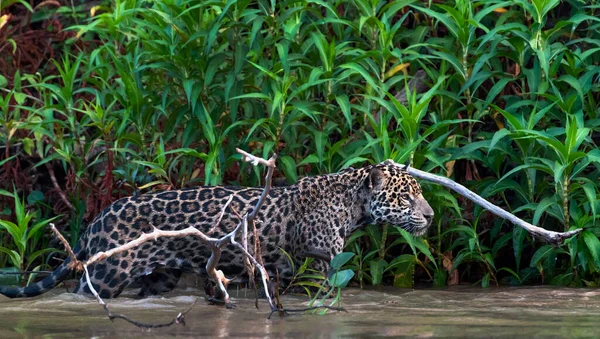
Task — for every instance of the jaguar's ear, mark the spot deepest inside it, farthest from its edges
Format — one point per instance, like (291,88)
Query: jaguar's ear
(375,179)
(405,166)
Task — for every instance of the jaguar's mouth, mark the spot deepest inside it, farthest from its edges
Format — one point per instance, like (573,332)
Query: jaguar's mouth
(416,229)
(420,231)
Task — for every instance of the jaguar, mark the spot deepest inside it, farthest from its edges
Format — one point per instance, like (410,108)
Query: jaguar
(311,218)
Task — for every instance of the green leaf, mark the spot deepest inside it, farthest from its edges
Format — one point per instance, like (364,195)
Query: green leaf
(540,255)
(441,17)
(310,159)
(33,256)
(485,281)
(7,193)
(35,228)
(424,248)
(289,168)
(357,68)
(593,244)
(12,229)
(590,191)
(409,238)
(20,98)
(344,104)
(541,207)
(400,261)
(405,268)
(14,256)
(518,243)
(35,197)
(342,278)
(340,260)
(377,267)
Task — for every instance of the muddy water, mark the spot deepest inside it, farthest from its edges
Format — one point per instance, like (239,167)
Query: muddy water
(455,312)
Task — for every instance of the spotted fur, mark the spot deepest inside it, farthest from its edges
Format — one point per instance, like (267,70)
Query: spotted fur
(310,218)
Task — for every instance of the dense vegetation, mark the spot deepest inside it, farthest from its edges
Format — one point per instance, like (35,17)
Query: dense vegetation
(101,101)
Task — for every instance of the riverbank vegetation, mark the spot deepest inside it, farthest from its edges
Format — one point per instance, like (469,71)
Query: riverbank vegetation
(104,99)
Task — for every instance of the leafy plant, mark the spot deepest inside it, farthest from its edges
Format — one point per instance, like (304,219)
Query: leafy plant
(24,237)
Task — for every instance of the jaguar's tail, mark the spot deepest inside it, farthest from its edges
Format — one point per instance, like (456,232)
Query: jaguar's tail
(45,284)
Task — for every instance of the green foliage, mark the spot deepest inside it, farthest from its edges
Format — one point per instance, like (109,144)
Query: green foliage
(25,237)
(164,91)
(332,286)
(381,260)
(325,285)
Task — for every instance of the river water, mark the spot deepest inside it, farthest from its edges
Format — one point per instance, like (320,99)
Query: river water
(386,312)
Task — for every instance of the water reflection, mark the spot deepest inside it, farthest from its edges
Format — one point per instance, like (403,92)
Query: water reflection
(538,311)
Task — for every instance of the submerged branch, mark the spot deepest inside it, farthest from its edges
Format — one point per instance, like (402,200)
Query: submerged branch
(301,310)
(552,237)
(179,319)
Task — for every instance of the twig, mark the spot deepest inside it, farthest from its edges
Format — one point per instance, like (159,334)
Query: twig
(154,235)
(552,237)
(298,310)
(179,319)
(247,263)
(268,178)
(247,157)
(262,270)
(74,262)
(59,190)
(221,215)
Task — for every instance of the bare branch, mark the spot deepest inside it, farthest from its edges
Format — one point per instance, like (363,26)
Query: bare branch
(154,235)
(59,190)
(247,264)
(300,310)
(250,219)
(221,215)
(74,262)
(179,319)
(268,178)
(247,157)
(548,236)
(263,273)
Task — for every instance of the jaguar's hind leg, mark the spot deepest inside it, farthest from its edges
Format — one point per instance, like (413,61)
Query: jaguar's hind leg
(161,280)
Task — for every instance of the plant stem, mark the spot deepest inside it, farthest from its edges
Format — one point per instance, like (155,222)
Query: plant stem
(565,191)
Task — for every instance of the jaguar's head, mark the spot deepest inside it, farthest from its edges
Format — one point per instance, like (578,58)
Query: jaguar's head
(396,198)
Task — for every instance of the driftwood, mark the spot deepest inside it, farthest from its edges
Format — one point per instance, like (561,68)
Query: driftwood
(214,244)
(552,237)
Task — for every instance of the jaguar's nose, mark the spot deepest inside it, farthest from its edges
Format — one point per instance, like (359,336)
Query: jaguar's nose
(429,218)
(427,211)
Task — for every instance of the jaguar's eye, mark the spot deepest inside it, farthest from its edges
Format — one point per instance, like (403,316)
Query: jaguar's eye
(411,198)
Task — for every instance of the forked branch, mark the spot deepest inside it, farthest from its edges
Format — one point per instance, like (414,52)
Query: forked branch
(214,244)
